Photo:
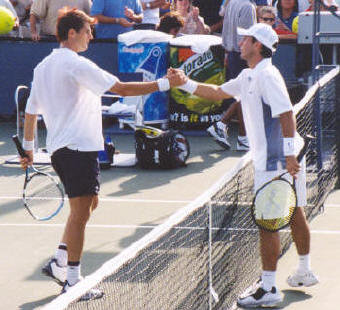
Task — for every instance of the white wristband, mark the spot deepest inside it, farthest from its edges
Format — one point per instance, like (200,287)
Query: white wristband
(190,86)
(163,84)
(288,147)
(28,145)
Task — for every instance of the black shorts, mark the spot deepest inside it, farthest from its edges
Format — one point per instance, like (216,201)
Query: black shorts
(78,171)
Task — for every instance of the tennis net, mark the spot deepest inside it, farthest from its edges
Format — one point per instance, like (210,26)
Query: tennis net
(206,254)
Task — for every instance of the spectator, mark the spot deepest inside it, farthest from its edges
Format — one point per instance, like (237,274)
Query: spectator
(209,10)
(171,23)
(238,13)
(22,8)
(287,10)
(47,13)
(303,4)
(150,14)
(115,16)
(167,7)
(267,15)
(193,22)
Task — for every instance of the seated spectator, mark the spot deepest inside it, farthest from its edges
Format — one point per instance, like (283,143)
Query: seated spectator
(209,10)
(115,16)
(47,13)
(287,10)
(193,22)
(303,4)
(267,15)
(150,14)
(167,7)
(171,23)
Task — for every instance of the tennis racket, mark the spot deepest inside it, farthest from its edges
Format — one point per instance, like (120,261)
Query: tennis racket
(43,196)
(275,202)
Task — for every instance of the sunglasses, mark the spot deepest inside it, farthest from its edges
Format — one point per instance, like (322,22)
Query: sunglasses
(268,19)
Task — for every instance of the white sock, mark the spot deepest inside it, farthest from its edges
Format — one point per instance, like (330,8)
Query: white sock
(304,263)
(268,279)
(73,274)
(61,255)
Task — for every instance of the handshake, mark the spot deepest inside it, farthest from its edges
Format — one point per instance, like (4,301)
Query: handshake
(176,78)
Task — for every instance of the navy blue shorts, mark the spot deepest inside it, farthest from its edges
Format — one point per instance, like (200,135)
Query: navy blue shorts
(78,171)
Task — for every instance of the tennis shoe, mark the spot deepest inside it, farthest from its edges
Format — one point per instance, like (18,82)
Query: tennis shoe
(56,272)
(91,294)
(260,298)
(219,132)
(302,279)
(242,143)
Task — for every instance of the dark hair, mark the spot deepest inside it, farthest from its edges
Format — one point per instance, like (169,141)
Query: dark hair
(295,9)
(71,18)
(265,51)
(171,20)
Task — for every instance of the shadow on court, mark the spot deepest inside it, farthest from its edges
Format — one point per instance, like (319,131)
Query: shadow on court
(293,296)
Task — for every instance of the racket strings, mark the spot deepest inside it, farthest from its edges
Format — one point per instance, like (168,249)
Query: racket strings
(42,196)
(274,205)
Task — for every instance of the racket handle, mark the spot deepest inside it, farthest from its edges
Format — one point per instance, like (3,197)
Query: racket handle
(18,144)
(307,140)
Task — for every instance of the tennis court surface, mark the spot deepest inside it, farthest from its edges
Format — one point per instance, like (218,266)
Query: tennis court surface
(176,239)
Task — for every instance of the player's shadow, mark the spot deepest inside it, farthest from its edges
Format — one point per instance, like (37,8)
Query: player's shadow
(37,303)
(292,296)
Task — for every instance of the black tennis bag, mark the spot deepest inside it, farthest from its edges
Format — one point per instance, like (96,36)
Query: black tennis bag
(161,149)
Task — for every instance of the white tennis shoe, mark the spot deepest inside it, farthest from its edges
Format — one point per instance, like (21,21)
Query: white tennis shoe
(56,272)
(242,144)
(302,279)
(219,132)
(91,294)
(260,298)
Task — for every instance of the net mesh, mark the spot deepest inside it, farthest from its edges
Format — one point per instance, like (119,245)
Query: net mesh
(213,242)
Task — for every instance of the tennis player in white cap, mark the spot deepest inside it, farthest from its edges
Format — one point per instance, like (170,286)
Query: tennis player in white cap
(274,143)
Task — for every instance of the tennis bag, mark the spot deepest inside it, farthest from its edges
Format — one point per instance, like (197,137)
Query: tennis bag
(156,148)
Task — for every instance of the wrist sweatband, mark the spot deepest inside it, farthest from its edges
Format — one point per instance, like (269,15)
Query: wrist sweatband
(288,147)
(190,86)
(28,145)
(163,84)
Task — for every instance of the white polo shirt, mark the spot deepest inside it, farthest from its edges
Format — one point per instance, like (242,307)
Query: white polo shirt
(66,90)
(264,96)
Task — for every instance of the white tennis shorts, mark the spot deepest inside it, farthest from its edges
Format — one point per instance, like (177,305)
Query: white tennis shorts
(262,177)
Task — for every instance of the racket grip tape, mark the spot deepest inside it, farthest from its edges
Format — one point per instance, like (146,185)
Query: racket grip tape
(307,140)
(18,144)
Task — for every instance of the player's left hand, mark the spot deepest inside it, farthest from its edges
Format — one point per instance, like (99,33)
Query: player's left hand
(292,166)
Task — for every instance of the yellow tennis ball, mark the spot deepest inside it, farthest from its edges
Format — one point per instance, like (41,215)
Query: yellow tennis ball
(7,20)
(295,24)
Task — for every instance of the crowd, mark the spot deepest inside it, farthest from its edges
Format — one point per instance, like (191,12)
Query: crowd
(37,18)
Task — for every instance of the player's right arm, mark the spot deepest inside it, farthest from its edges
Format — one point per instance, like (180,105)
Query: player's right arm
(208,91)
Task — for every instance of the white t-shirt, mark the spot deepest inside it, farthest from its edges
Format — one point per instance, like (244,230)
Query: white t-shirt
(264,97)
(66,90)
(150,16)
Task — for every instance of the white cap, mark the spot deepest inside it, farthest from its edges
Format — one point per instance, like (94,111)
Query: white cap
(262,33)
